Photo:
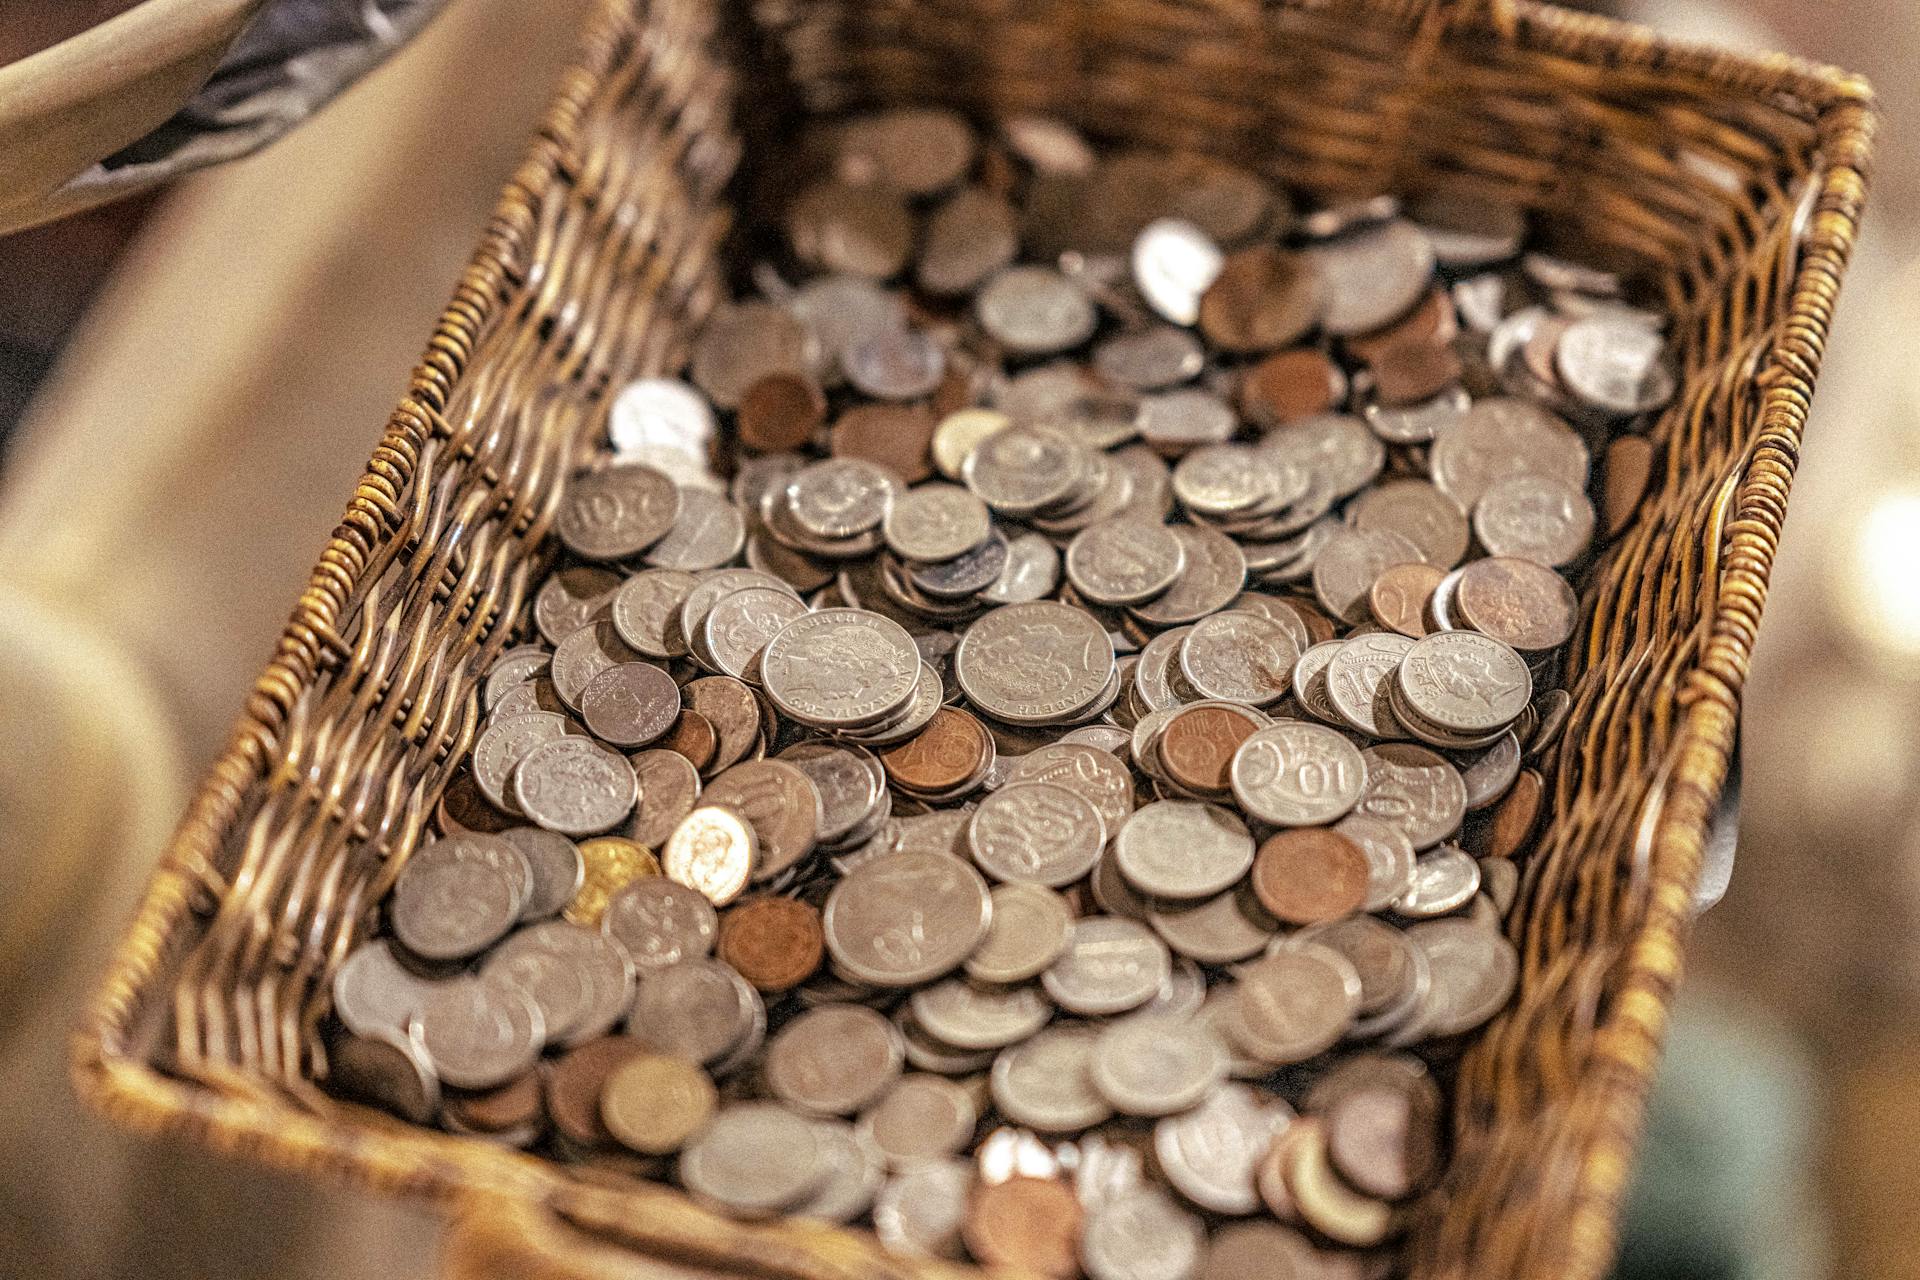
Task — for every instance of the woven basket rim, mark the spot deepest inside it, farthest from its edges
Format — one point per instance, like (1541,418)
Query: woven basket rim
(121,1079)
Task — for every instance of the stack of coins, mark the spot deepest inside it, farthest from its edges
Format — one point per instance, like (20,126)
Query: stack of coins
(1055,799)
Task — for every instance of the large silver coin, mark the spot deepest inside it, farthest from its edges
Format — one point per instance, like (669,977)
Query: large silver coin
(1109,967)
(1157,1064)
(1295,774)
(835,1059)
(478,1032)
(906,918)
(1183,849)
(1046,1083)
(1036,832)
(755,1160)
(840,668)
(1209,1154)
(1142,1235)
(581,981)
(1037,663)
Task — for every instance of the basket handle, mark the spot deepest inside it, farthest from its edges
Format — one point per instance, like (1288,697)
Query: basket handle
(1498,14)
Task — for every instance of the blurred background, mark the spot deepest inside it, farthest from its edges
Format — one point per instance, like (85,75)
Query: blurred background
(245,332)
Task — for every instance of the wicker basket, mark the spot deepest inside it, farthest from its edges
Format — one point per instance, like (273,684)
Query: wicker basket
(1733,183)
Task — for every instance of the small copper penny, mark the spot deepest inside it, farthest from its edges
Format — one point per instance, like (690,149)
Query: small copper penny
(654,1104)
(774,943)
(576,1081)
(940,757)
(1514,817)
(1198,743)
(692,736)
(1409,372)
(896,436)
(1310,875)
(1527,605)
(1030,1223)
(730,708)
(1398,597)
(781,411)
(1432,322)
(514,1105)
(463,807)
(1262,299)
(1624,473)
(1319,626)
(1289,385)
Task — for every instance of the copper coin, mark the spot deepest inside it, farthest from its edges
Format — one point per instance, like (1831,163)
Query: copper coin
(1310,875)
(692,736)
(1527,605)
(463,807)
(1289,385)
(654,1104)
(896,436)
(730,708)
(514,1105)
(1412,372)
(774,943)
(1514,817)
(1433,322)
(1624,473)
(1399,596)
(1198,743)
(1263,298)
(781,411)
(1029,1223)
(576,1081)
(940,757)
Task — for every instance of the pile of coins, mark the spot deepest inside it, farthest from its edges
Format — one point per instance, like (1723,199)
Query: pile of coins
(1056,800)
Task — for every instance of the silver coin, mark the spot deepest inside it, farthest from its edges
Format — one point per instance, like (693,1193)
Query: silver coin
(844,668)
(557,867)
(1533,517)
(478,1032)
(921,1117)
(581,982)
(1150,359)
(1295,774)
(1109,966)
(659,922)
(1223,929)
(1239,657)
(1238,481)
(1124,560)
(1150,1064)
(669,789)
(575,787)
(1418,423)
(1417,512)
(1210,1153)
(755,1160)
(1465,682)
(1173,264)
(1490,772)
(856,1169)
(1414,789)
(839,310)
(1359,682)
(906,918)
(1030,927)
(1036,832)
(517,666)
(974,234)
(448,907)
(1092,772)
(1034,311)
(1021,470)
(919,1212)
(976,1016)
(1186,418)
(1501,437)
(650,412)
(1046,1083)
(895,364)
(741,344)
(1374,276)
(1345,570)
(1034,663)
(385,1068)
(1310,683)
(630,704)
(1032,572)
(1142,1235)
(967,573)
(835,1059)
(1215,571)
(740,625)
(1389,857)
(646,612)
(1475,971)
(566,601)
(1616,364)
(1444,880)
(848,779)
(506,741)
(926,1053)
(708,590)
(617,512)
(840,497)
(373,993)
(1183,849)
(932,522)
(698,1009)
(585,654)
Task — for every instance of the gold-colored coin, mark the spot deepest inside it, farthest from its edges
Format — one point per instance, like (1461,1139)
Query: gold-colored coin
(613,862)
(654,1104)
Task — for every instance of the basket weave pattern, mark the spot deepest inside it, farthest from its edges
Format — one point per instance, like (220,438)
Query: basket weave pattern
(1734,184)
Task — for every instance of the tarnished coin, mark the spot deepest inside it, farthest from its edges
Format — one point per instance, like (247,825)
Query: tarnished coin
(660,922)
(945,755)
(1264,298)
(1294,774)
(1034,311)
(630,704)
(655,1105)
(859,230)
(1036,832)
(698,1009)
(780,803)
(1030,928)
(781,410)
(1294,1004)
(906,918)
(1046,1083)
(1523,604)
(741,344)
(774,943)
(575,787)
(387,1069)
(834,1060)
(478,1032)
(1036,663)
(1109,966)
(1210,1152)
(968,238)
(1152,1064)
(669,786)
(842,668)
(733,713)
(1241,657)
(581,982)
(617,512)
(1311,875)
(1413,789)
(1418,512)
(754,1159)
(459,895)
(712,851)
(921,1116)
(1142,1235)
(1290,385)
(970,1015)
(912,150)
(1399,597)
(1183,849)
(557,867)
(1223,929)
(1125,560)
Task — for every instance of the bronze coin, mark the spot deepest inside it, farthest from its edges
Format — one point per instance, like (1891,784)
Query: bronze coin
(781,411)
(1432,322)
(1385,1139)
(1524,604)
(729,707)
(1319,626)
(576,1081)
(463,807)
(941,756)
(1625,470)
(1310,875)
(654,1104)
(774,943)
(1029,1223)
(1514,817)
(1412,372)
(1263,299)
(1398,597)
(692,736)
(1198,743)
(516,1104)
(1289,385)
(896,436)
